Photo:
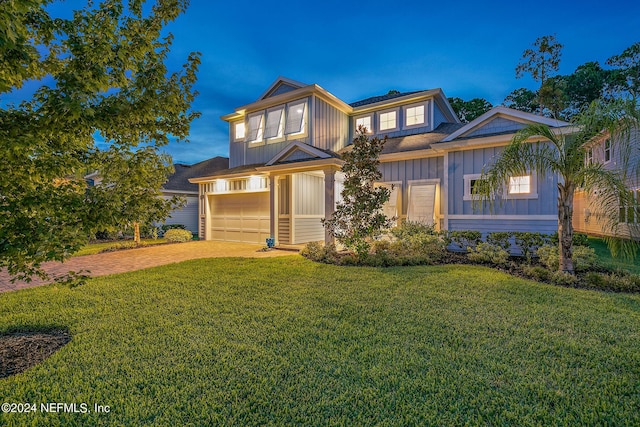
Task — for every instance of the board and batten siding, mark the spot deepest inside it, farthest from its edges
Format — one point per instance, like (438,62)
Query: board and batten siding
(330,126)
(469,162)
(308,230)
(490,225)
(187,215)
(308,206)
(411,170)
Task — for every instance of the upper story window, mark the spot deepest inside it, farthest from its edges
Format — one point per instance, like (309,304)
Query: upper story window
(256,127)
(365,122)
(589,157)
(388,120)
(414,115)
(295,117)
(239,131)
(607,150)
(275,121)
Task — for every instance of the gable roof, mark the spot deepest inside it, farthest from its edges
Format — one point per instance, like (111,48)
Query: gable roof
(281,85)
(388,96)
(308,152)
(509,114)
(179,180)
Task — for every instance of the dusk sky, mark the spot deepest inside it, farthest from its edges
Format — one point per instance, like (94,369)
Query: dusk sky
(360,49)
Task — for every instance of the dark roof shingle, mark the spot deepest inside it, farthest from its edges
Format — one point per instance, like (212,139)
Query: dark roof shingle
(381,98)
(179,180)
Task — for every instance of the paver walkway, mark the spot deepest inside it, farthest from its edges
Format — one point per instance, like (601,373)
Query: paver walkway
(138,259)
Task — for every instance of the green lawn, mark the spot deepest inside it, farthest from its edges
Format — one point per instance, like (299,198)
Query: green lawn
(96,248)
(604,255)
(287,341)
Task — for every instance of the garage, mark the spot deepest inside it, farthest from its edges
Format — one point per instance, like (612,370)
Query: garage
(240,217)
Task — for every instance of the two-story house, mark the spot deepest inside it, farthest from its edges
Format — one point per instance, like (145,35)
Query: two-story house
(284,168)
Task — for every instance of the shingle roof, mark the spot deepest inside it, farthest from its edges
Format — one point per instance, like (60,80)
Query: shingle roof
(179,181)
(380,98)
(420,141)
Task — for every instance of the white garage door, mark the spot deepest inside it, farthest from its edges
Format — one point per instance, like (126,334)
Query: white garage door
(240,217)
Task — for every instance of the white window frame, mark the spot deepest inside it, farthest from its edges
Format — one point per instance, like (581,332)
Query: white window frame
(405,111)
(606,150)
(379,118)
(303,125)
(365,116)
(467,185)
(236,137)
(533,188)
(259,140)
(279,136)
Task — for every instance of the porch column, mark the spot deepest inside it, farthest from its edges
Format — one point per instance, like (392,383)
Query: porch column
(273,212)
(329,200)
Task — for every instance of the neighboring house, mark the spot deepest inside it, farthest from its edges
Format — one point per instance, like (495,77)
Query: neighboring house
(284,167)
(602,151)
(178,185)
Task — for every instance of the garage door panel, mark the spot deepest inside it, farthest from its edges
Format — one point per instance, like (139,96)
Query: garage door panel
(240,217)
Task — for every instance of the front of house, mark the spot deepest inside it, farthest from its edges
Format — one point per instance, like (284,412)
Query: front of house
(285,175)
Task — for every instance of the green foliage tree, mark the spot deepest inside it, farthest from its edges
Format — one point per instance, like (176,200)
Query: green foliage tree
(102,75)
(541,62)
(564,155)
(469,110)
(522,99)
(358,219)
(625,77)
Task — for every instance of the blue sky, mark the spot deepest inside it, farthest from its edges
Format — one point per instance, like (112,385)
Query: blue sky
(360,49)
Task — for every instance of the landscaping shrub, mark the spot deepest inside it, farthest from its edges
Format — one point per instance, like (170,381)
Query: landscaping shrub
(617,282)
(320,253)
(579,239)
(127,244)
(489,254)
(584,258)
(167,227)
(178,236)
(529,243)
(500,239)
(563,279)
(464,239)
(536,272)
(419,248)
(410,229)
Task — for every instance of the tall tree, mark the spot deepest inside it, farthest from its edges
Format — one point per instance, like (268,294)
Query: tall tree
(541,62)
(522,99)
(359,218)
(564,155)
(469,110)
(102,74)
(626,73)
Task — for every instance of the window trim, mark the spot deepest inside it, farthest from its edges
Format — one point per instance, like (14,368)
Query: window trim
(281,125)
(260,133)
(533,188)
(425,119)
(467,185)
(606,151)
(379,120)
(370,129)
(235,125)
(304,126)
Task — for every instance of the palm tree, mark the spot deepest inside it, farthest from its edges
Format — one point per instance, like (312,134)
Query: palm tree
(564,155)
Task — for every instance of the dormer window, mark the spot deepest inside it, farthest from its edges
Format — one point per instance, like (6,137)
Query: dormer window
(365,122)
(295,117)
(239,131)
(274,126)
(607,150)
(388,120)
(414,115)
(256,126)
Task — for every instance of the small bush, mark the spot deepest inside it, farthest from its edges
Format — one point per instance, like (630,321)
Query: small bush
(500,239)
(320,253)
(529,243)
(178,236)
(613,282)
(489,254)
(464,239)
(584,258)
(563,279)
(536,272)
(410,229)
(167,227)
(579,239)
(127,244)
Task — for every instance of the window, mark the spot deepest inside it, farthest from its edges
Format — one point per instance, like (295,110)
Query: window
(274,123)
(414,115)
(256,125)
(295,117)
(239,132)
(470,182)
(392,207)
(630,213)
(520,184)
(388,120)
(365,122)
(607,150)
(422,200)
(589,157)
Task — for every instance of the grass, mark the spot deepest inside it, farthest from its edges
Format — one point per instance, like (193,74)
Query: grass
(96,248)
(604,256)
(284,341)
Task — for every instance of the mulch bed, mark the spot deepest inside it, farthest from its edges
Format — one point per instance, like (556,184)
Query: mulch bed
(21,350)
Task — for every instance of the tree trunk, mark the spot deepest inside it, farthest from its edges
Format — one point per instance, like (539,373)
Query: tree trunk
(565,227)
(136,233)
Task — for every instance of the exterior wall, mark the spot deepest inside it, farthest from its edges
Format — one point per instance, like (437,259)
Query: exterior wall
(187,216)
(330,126)
(488,225)
(497,125)
(308,207)
(410,170)
(308,230)
(432,113)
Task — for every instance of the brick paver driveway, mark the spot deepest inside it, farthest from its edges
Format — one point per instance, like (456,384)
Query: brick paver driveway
(137,259)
